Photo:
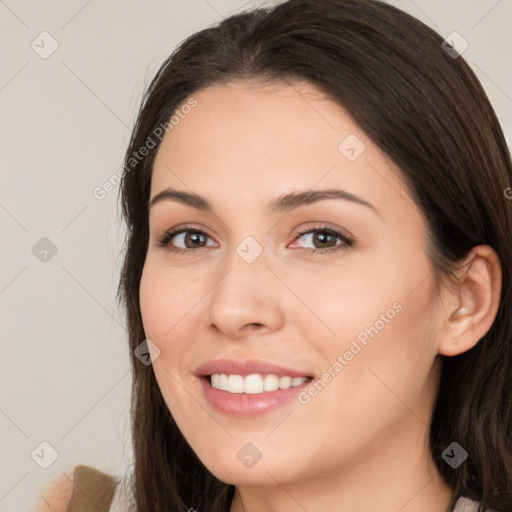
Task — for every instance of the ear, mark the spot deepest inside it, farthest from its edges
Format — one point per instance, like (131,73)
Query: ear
(473,302)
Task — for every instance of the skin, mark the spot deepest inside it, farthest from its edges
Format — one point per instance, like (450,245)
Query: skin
(361,443)
(57,496)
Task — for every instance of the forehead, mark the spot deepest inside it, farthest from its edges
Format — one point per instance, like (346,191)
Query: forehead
(254,125)
(257,141)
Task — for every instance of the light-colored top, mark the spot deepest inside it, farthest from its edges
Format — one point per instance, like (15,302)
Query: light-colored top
(465,505)
(124,500)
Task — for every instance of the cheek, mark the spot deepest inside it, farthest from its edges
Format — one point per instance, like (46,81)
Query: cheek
(166,300)
(153,303)
(349,302)
(388,355)
(166,312)
(382,318)
(379,385)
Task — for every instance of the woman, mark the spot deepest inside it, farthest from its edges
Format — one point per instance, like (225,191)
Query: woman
(318,265)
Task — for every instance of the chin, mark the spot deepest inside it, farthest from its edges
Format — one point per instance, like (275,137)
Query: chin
(247,476)
(236,467)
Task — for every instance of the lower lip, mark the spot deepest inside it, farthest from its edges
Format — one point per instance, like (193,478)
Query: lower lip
(245,405)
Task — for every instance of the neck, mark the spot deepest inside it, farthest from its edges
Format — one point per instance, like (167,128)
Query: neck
(398,474)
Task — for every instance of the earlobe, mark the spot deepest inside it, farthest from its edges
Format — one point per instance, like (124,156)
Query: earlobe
(476,302)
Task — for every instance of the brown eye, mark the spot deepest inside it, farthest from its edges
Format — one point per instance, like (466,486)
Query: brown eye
(324,239)
(185,238)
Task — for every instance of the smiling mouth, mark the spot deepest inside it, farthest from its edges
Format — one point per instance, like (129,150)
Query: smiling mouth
(255,383)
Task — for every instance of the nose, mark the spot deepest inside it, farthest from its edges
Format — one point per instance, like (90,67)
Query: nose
(248,298)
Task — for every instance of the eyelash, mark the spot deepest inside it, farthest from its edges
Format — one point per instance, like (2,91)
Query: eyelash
(348,242)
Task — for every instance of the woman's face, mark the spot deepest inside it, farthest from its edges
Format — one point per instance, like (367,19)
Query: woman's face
(357,311)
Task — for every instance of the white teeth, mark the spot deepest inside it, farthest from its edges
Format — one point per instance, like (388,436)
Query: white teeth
(285,382)
(235,384)
(271,383)
(255,383)
(223,382)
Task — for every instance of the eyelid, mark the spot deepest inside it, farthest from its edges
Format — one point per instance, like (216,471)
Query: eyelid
(326,226)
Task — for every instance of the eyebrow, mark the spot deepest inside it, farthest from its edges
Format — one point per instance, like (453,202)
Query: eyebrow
(282,204)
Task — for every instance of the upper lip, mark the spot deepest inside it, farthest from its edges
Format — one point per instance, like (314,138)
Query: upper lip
(243,368)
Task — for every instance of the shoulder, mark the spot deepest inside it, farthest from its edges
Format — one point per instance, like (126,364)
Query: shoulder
(87,486)
(56,496)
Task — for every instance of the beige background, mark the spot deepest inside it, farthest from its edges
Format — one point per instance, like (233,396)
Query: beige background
(65,123)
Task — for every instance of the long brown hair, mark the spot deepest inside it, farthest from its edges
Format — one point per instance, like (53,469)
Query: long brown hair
(428,112)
